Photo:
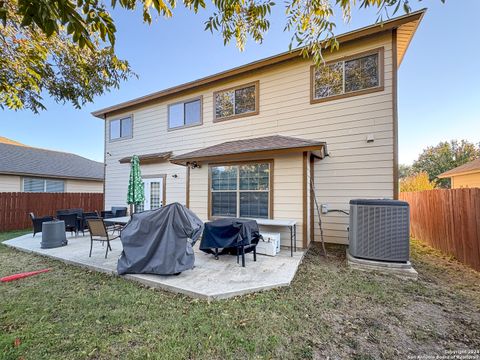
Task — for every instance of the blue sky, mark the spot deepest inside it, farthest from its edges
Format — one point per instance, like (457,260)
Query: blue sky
(439,91)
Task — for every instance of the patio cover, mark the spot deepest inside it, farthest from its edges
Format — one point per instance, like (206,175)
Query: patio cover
(148,158)
(160,241)
(239,149)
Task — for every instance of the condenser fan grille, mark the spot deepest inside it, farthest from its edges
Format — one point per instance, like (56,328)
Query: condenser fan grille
(379,230)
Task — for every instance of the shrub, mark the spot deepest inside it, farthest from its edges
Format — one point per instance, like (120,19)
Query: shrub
(416,182)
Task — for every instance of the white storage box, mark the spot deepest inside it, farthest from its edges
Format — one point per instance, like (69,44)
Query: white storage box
(270,245)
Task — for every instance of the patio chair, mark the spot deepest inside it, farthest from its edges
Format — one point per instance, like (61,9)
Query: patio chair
(76,211)
(71,222)
(38,221)
(120,211)
(116,211)
(85,216)
(98,232)
(243,249)
(62,212)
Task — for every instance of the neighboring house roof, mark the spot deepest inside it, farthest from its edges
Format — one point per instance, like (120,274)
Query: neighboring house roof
(260,145)
(472,166)
(406,26)
(4,140)
(25,160)
(148,158)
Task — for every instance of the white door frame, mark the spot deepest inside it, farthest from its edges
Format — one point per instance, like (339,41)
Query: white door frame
(147,180)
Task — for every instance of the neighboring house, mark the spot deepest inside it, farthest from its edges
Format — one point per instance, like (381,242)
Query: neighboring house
(464,176)
(246,142)
(28,169)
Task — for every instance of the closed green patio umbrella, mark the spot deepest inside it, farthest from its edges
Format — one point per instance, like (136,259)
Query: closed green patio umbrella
(136,194)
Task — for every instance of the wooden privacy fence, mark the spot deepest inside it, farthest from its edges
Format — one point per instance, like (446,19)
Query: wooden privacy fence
(15,207)
(448,220)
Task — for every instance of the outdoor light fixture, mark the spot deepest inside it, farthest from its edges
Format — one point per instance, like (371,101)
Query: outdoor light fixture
(175,176)
(193,165)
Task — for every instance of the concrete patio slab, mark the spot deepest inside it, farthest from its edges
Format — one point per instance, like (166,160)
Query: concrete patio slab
(210,279)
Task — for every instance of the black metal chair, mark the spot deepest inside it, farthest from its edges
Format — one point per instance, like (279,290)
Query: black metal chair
(62,212)
(119,212)
(116,211)
(38,221)
(243,249)
(85,216)
(98,232)
(71,222)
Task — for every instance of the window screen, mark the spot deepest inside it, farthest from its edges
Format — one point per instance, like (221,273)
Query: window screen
(121,128)
(33,185)
(185,114)
(241,100)
(346,77)
(43,185)
(54,186)
(240,190)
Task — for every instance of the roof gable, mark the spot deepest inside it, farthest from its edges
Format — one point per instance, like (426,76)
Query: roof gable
(472,166)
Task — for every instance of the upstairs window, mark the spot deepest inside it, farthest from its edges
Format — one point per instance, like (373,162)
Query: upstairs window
(184,114)
(43,185)
(352,76)
(236,102)
(121,128)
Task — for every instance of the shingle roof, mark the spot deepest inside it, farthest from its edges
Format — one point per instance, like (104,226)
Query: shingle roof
(25,160)
(412,18)
(248,146)
(468,167)
(4,140)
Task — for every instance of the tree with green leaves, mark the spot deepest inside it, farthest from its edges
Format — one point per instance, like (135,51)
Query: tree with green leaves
(404,171)
(53,28)
(445,156)
(34,63)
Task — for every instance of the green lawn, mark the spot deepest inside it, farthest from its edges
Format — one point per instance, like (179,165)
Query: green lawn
(329,311)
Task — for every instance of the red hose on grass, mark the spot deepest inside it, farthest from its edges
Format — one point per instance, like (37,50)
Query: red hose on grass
(22,275)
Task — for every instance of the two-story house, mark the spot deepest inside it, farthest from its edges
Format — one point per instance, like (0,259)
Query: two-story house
(251,141)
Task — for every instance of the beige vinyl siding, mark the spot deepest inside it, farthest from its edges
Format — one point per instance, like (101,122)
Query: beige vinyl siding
(83,186)
(13,183)
(117,180)
(10,183)
(354,169)
(466,181)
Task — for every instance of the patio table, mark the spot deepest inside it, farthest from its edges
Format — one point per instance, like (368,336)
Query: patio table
(115,221)
(122,220)
(291,224)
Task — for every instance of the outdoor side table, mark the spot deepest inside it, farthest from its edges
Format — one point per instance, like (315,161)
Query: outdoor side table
(53,234)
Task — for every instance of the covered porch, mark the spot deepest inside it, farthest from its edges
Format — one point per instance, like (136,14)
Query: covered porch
(210,279)
(268,179)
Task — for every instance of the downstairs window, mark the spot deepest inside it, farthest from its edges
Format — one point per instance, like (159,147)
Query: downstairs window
(43,185)
(242,190)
